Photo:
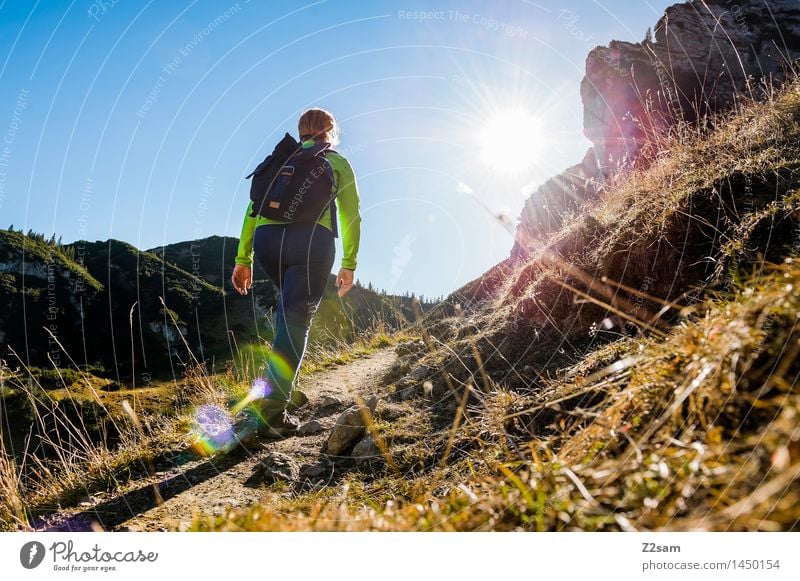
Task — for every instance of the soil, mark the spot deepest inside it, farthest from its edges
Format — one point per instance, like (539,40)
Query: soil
(188,484)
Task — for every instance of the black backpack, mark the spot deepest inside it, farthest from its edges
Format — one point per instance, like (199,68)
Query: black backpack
(294,184)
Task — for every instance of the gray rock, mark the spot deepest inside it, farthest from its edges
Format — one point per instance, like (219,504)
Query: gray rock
(419,373)
(310,428)
(701,55)
(410,347)
(686,39)
(366,450)
(297,400)
(412,384)
(404,391)
(399,368)
(348,428)
(317,470)
(330,401)
(278,467)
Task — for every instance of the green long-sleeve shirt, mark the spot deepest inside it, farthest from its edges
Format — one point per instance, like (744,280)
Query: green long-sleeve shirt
(347,202)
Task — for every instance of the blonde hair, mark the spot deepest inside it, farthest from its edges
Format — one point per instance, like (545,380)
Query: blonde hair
(319,125)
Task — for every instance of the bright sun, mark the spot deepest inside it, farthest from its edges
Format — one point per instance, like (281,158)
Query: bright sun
(510,141)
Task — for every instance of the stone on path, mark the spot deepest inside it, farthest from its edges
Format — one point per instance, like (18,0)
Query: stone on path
(349,427)
(310,428)
(279,467)
(366,450)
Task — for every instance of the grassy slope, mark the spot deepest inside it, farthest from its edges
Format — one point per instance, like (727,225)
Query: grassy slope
(14,244)
(42,288)
(193,280)
(663,396)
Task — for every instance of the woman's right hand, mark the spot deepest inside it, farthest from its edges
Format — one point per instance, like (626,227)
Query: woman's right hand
(242,278)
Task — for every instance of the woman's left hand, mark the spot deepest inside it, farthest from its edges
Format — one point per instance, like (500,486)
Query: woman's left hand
(344,281)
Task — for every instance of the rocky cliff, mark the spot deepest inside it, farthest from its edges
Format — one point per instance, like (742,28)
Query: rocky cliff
(701,57)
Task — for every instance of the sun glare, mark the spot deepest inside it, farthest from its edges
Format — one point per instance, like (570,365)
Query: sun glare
(510,141)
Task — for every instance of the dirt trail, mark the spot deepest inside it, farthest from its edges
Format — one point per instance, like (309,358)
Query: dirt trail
(192,484)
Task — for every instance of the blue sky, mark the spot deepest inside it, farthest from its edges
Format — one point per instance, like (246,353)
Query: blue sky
(138,120)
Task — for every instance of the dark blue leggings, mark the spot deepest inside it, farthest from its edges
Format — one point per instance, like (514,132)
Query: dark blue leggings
(298,258)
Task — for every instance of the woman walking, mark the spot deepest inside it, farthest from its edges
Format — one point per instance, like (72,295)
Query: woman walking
(298,257)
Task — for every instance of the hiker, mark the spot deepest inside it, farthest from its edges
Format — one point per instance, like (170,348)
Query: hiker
(290,224)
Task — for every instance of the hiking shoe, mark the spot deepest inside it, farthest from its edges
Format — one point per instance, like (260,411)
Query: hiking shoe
(283,425)
(245,431)
(269,409)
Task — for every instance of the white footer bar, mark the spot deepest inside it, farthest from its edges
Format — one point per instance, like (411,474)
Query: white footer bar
(408,556)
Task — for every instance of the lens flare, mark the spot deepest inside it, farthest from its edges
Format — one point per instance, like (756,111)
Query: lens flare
(260,388)
(280,368)
(212,430)
(218,430)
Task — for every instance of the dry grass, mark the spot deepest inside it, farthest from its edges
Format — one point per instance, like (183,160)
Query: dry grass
(697,430)
(70,453)
(12,508)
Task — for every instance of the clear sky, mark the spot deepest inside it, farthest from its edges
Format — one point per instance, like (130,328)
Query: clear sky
(138,120)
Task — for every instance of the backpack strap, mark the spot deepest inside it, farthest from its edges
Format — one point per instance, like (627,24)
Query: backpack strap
(334,221)
(332,206)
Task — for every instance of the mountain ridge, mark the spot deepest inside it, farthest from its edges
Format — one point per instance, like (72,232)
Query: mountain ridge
(103,303)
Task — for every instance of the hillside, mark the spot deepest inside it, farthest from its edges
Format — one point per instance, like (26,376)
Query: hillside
(41,287)
(88,294)
(713,210)
(103,302)
(210,259)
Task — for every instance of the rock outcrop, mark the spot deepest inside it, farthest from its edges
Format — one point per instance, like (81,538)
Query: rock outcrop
(701,57)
